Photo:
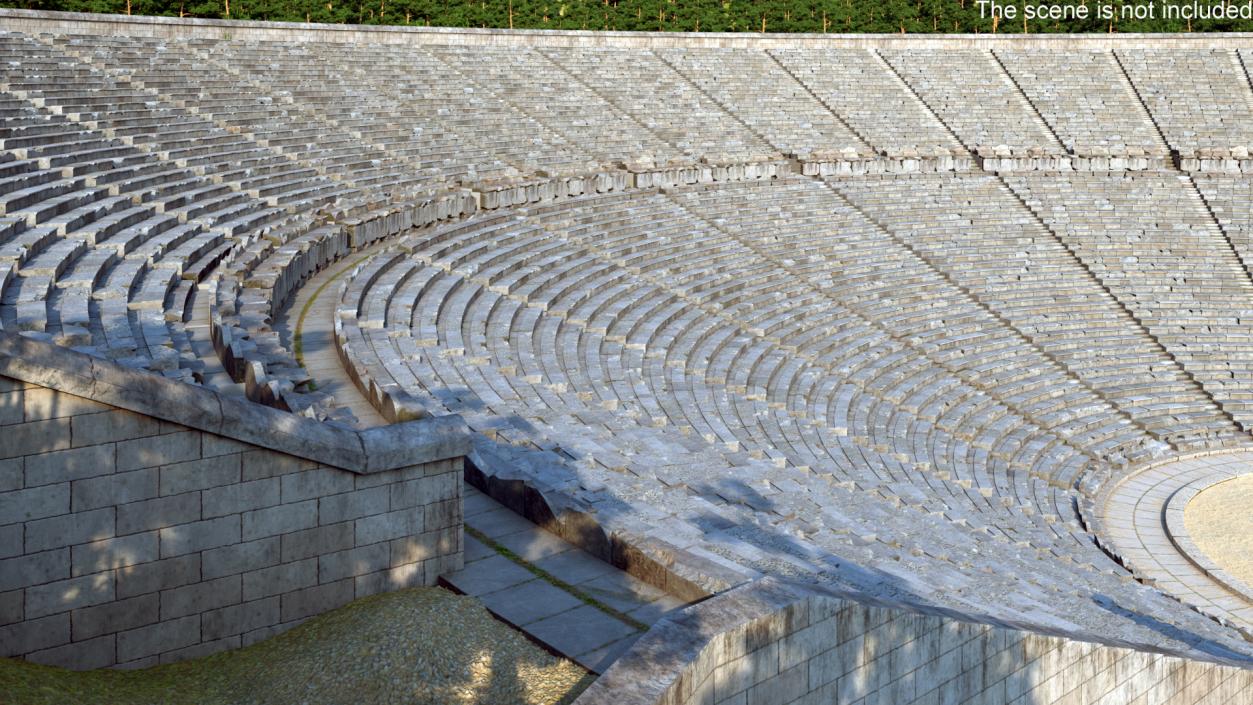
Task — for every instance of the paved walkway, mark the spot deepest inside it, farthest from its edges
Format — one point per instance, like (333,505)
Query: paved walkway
(316,327)
(562,597)
(1135,516)
(574,604)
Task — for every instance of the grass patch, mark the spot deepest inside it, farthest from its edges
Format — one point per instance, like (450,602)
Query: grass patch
(555,581)
(424,646)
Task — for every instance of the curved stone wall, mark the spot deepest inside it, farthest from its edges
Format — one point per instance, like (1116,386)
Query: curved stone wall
(787,644)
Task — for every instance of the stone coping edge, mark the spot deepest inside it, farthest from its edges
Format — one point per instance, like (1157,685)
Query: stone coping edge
(171,27)
(106,382)
(1177,530)
(656,664)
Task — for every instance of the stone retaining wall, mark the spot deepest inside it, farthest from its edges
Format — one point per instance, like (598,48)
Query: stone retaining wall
(771,643)
(145,521)
(36,21)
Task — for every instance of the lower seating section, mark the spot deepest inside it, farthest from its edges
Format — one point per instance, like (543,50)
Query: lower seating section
(1228,198)
(981,238)
(1150,241)
(606,361)
(899,293)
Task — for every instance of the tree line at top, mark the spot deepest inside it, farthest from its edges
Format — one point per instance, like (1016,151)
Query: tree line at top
(831,16)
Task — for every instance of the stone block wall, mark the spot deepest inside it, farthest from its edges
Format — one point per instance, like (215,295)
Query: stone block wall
(127,539)
(770,643)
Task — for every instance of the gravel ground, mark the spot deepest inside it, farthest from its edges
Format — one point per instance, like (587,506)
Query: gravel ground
(1220,520)
(415,646)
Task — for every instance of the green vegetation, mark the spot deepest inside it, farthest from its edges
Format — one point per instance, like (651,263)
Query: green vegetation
(420,646)
(911,16)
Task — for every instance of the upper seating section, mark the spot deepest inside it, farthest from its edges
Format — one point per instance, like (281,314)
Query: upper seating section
(859,87)
(969,90)
(761,93)
(662,100)
(453,99)
(536,86)
(1201,100)
(1086,99)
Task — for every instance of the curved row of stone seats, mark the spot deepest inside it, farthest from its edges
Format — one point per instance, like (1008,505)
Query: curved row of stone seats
(736,422)
(664,101)
(979,235)
(1199,99)
(759,92)
(972,94)
(862,90)
(1089,104)
(687,493)
(242,305)
(541,89)
(893,288)
(461,105)
(1151,242)
(118,273)
(231,100)
(259,279)
(1228,199)
(515,373)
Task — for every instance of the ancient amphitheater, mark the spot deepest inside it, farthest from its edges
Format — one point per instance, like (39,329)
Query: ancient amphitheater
(899,358)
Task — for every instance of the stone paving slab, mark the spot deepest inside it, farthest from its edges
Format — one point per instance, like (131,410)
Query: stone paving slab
(559,619)
(1134,516)
(530,546)
(575,567)
(489,575)
(580,631)
(501,522)
(530,602)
